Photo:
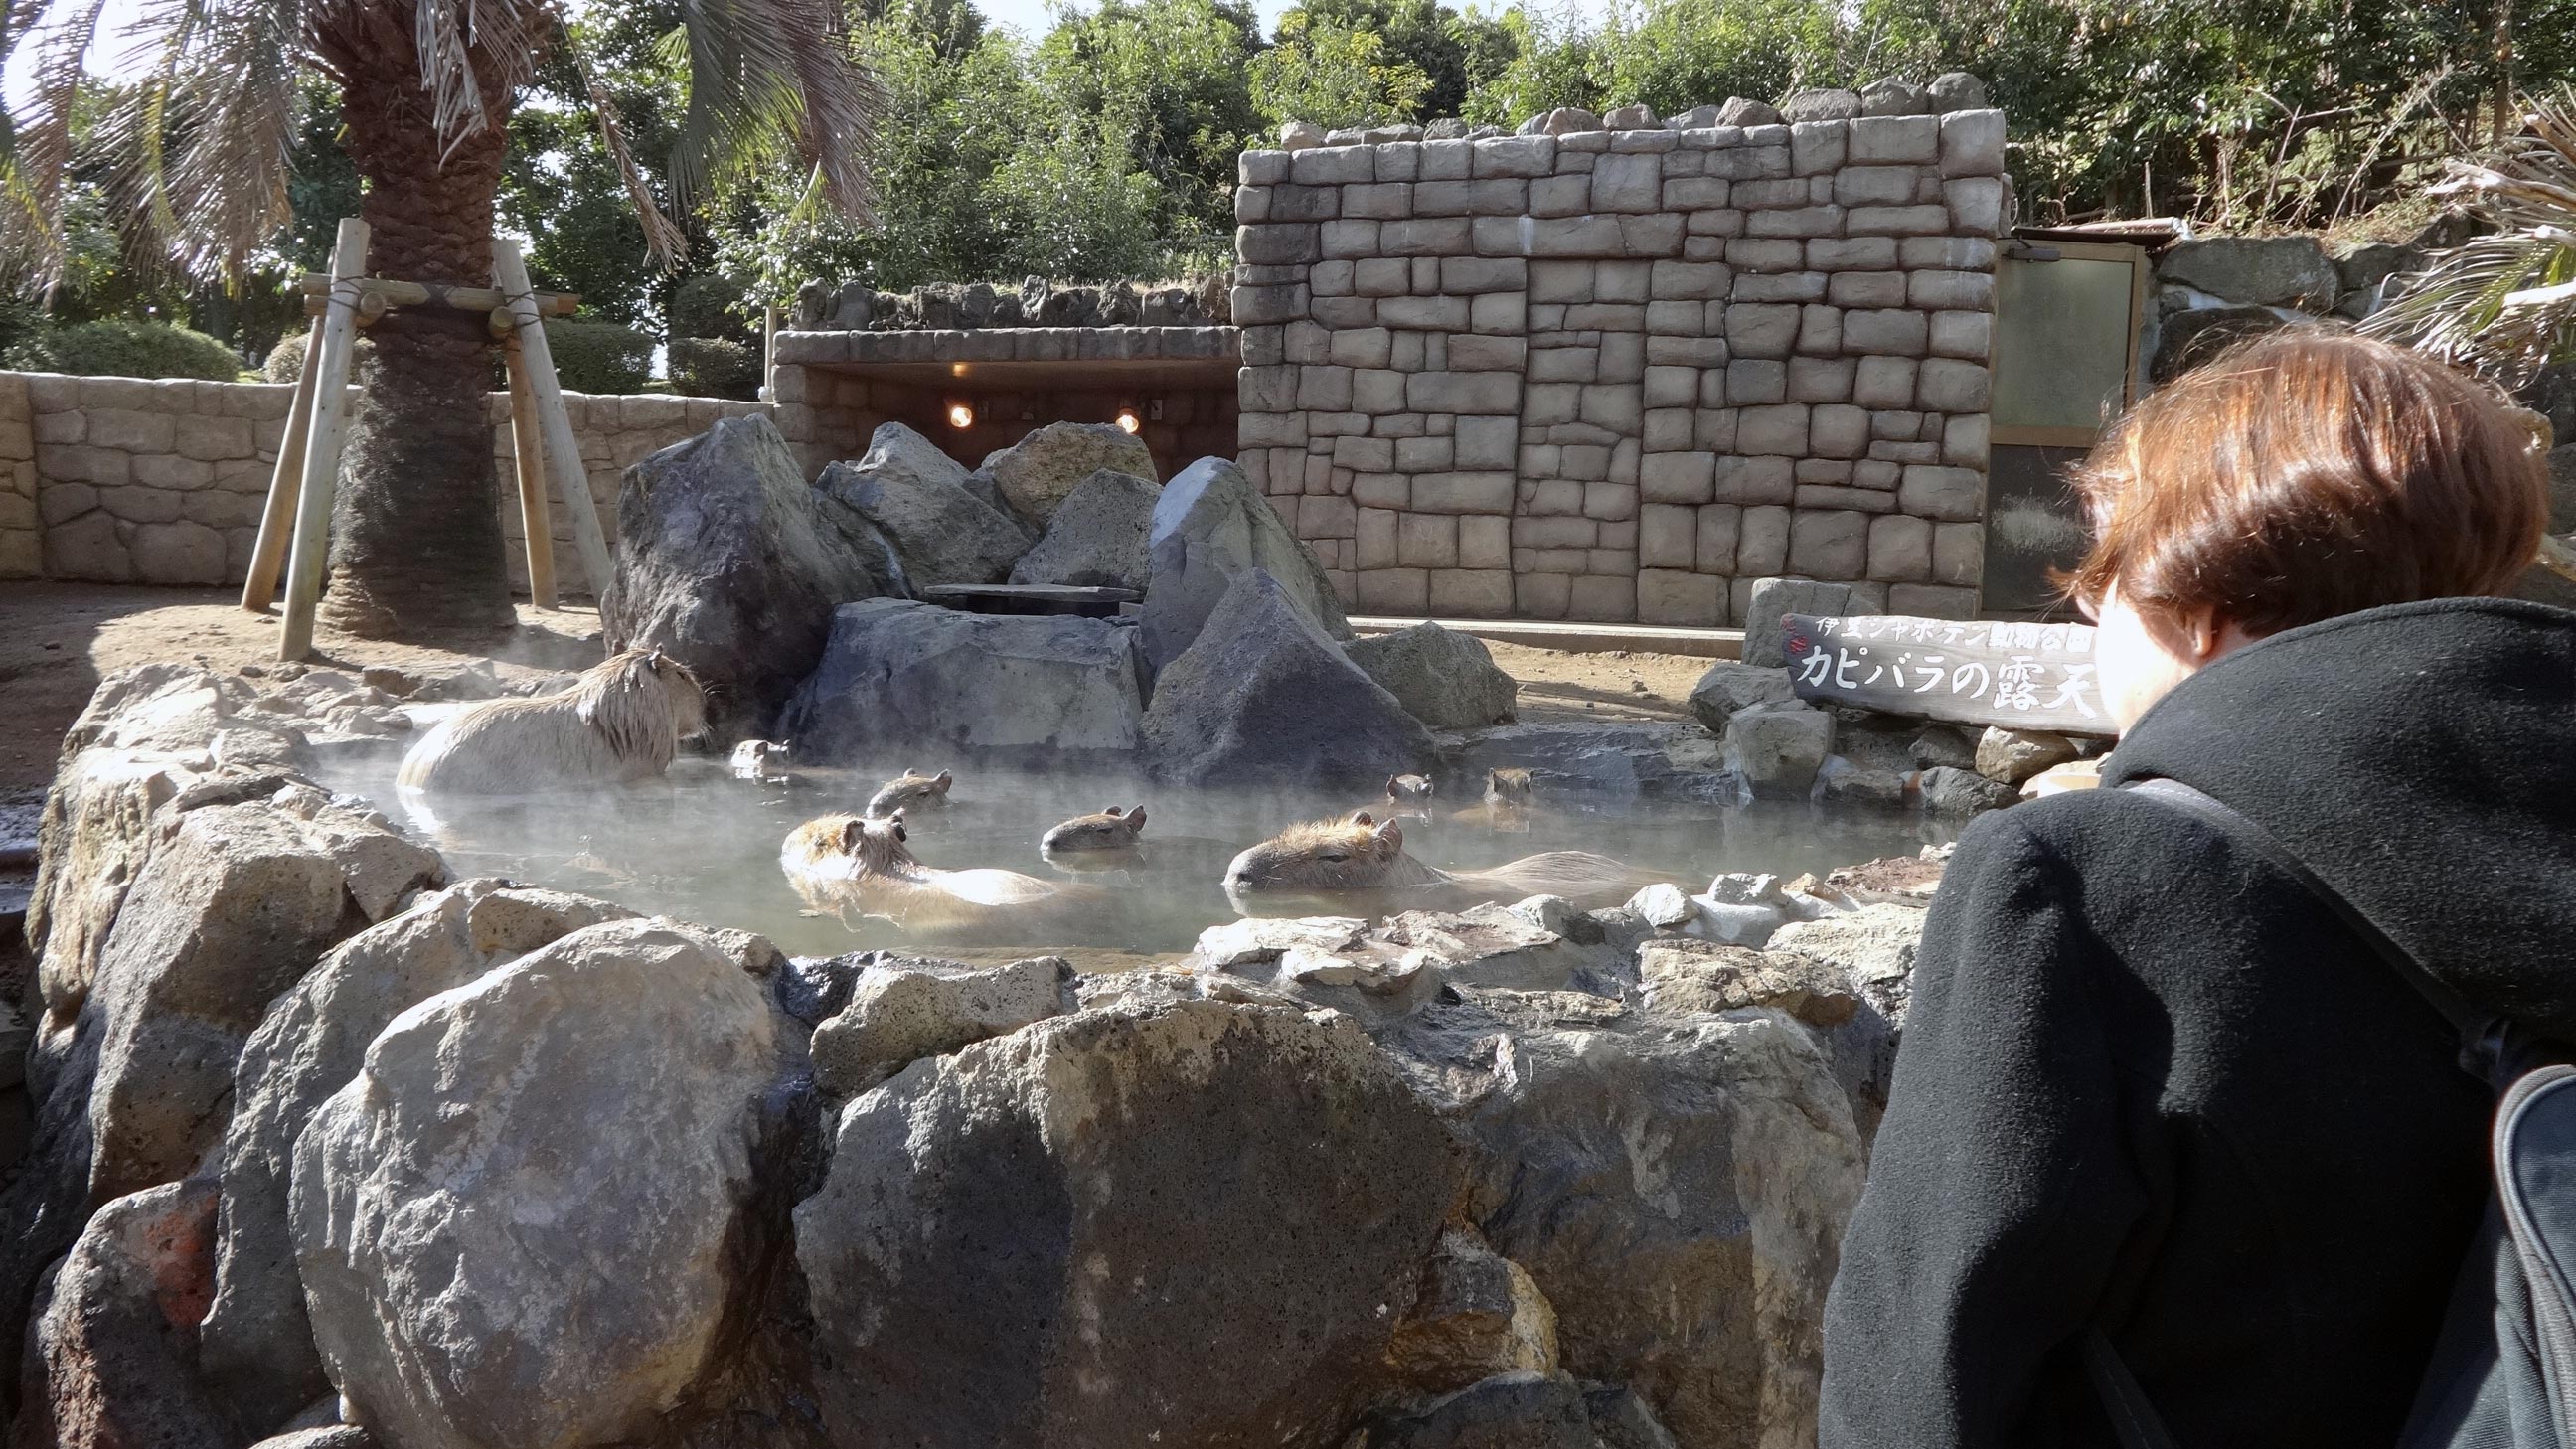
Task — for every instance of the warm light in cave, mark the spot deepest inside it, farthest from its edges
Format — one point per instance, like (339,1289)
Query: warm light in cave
(960,416)
(1127,422)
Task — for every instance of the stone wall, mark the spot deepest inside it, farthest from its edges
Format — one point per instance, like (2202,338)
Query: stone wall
(1618,375)
(128,480)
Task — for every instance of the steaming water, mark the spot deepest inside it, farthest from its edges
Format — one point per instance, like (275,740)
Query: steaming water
(702,845)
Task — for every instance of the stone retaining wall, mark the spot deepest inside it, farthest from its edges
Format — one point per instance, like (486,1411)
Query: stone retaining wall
(1619,375)
(128,480)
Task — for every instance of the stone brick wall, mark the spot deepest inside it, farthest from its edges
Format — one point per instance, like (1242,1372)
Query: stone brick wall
(127,480)
(1618,375)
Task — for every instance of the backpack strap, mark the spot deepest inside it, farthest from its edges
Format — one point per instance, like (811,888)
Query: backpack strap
(2478,1029)
(2133,1419)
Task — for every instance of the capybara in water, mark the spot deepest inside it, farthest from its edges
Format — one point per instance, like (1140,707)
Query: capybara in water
(1510,799)
(623,719)
(1363,855)
(760,760)
(910,790)
(1110,829)
(1407,796)
(849,865)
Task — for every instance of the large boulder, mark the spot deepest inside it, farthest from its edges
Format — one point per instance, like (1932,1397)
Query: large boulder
(257,1348)
(524,1222)
(1778,748)
(1655,759)
(1264,697)
(2269,271)
(901,1011)
(1772,600)
(1036,473)
(1211,527)
(1729,687)
(908,674)
(110,1367)
(1193,1224)
(1443,678)
(1520,1410)
(1676,1184)
(916,497)
(1098,536)
(730,562)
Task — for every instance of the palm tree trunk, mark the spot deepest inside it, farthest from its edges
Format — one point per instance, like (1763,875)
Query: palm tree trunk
(416,545)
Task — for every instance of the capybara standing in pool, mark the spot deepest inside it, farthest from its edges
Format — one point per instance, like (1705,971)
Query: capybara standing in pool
(622,720)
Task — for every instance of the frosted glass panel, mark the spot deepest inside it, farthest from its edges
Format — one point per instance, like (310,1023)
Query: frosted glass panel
(2061,342)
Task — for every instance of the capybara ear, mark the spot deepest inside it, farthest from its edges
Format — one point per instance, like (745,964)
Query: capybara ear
(1111,811)
(1136,817)
(1493,779)
(1389,838)
(1361,817)
(943,782)
(853,830)
(897,822)
(1391,784)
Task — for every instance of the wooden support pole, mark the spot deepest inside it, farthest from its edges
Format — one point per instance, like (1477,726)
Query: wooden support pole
(329,372)
(528,456)
(465,299)
(562,449)
(277,520)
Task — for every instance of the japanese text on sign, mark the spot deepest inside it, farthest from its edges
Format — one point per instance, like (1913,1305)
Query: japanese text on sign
(1968,671)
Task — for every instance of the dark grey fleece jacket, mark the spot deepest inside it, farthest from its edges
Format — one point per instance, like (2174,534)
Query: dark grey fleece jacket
(2149,1083)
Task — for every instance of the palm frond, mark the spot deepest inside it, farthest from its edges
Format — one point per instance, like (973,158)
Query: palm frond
(664,242)
(2499,303)
(778,73)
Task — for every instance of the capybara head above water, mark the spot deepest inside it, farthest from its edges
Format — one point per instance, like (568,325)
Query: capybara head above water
(1356,854)
(1510,787)
(910,790)
(855,842)
(1110,829)
(623,719)
(1408,789)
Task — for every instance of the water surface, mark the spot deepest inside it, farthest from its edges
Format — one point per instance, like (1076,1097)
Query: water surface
(702,845)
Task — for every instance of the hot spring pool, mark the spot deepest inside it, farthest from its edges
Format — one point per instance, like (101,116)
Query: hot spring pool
(703,845)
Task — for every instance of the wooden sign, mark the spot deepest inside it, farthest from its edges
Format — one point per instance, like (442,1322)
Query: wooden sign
(1965,671)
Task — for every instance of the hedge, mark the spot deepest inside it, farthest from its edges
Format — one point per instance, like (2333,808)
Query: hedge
(715,367)
(116,347)
(599,357)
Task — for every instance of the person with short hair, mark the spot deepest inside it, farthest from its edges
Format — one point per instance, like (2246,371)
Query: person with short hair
(2155,1101)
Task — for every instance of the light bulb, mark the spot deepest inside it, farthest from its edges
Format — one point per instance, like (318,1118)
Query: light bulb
(1127,420)
(960,416)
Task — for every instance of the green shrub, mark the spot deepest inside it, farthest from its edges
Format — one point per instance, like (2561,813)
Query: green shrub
(599,357)
(286,359)
(710,305)
(715,367)
(117,347)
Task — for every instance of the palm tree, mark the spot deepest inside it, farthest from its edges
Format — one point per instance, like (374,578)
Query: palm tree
(201,147)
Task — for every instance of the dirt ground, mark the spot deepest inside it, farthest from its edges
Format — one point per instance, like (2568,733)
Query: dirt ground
(58,640)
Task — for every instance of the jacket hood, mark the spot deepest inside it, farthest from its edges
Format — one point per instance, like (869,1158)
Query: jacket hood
(2420,758)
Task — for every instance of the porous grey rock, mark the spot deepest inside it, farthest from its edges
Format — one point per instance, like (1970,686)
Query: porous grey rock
(1940,744)
(916,497)
(1655,760)
(110,1364)
(523,1223)
(1649,1170)
(1737,111)
(915,675)
(1478,1314)
(900,1013)
(2274,271)
(2186,339)
(1855,1035)
(1957,90)
(1820,105)
(1771,600)
(728,561)
(1729,686)
(256,1348)
(1567,120)
(1697,118)
(1264,696)
(1949,792)
(1892,97)
(1098,536)
(2013,756)
(1520,1410)
(1873,947)
(1211,527)
(1777,748)
(1443,678)
(1135,1194)
(1627,118)
(1300,135)
(1035,473)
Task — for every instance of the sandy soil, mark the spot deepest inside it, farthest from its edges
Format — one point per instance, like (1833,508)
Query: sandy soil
(58,640)
(1620,684)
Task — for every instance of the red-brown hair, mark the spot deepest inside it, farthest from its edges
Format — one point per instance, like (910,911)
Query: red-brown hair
(2306,474)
